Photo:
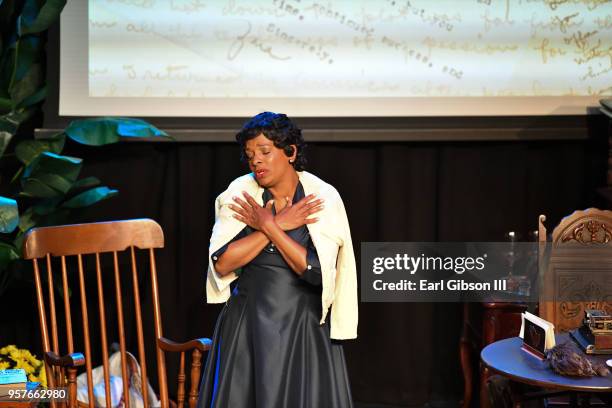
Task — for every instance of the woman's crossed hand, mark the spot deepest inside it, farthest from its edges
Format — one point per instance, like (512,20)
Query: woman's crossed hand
(290,217)
(296,215)
(251,213)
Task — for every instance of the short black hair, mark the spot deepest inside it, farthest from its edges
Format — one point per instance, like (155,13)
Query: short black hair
(280,130)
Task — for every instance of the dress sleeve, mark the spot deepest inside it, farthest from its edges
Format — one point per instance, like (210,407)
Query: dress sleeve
(312,273)
(217,254)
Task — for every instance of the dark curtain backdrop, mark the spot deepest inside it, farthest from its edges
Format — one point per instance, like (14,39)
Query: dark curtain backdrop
(406,353)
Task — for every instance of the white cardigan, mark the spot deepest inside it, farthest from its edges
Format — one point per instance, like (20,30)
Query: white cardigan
(330,235)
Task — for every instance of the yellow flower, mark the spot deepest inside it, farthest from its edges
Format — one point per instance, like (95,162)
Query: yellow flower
(23,358)
(8,349)
(20,363)
(27,368)
(32,359)
(20,354)
(39,377)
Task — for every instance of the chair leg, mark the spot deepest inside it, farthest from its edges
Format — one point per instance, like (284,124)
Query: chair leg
(72,387)
(196,364)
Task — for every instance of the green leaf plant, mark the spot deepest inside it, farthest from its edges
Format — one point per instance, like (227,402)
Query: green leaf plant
(45,187)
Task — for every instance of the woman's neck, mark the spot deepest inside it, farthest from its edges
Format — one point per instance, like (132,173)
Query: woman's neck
(286,187)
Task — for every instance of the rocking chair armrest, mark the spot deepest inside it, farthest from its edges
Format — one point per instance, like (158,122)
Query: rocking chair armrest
(69,360)
(202,344)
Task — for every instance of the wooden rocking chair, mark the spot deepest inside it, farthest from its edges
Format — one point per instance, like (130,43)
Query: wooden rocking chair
(49,246)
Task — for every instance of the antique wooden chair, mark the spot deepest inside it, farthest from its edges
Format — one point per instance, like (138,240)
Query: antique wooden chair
(575,267)
(572,280)
(130,240)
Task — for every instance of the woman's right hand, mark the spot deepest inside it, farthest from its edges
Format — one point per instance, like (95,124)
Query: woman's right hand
(296,215)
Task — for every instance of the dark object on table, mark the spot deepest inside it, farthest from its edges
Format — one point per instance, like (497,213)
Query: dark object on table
(534,338)
(567,359)
(595,334)
(598,321)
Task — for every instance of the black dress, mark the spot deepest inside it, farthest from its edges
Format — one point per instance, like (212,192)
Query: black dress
(269,350)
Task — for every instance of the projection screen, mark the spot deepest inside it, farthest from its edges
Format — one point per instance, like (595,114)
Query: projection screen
(335,58)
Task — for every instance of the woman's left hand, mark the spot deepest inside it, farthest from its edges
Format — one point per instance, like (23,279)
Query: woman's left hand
(251,213)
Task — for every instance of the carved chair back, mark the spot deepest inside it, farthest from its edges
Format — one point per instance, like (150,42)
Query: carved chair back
(575,279)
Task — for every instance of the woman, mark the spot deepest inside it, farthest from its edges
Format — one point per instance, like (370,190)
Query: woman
(285,233)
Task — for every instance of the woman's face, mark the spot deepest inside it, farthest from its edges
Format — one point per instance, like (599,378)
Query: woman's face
(269,163)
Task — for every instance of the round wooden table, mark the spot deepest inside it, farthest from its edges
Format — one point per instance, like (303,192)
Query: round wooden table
(507,358)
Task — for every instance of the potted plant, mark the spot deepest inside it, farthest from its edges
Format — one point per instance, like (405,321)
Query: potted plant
(38,185)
